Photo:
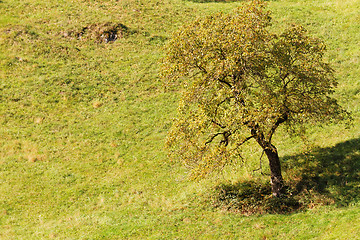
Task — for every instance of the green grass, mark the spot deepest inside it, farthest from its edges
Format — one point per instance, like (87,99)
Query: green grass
(82,127)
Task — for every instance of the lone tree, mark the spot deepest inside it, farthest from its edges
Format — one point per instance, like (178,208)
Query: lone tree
(241,81)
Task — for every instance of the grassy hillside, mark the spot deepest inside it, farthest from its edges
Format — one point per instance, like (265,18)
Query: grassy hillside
(83,120)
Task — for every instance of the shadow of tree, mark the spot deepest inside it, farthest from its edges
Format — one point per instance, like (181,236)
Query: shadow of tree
(251,197)
(333,172)
(322,177)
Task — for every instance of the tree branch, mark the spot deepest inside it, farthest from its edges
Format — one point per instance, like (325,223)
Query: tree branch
(281,119)
(200,68)
(226,135)
(221,53)
(216,123)
(260,167)
(213,137)
(287,83)
(225,82)
(245,140)
(218,105)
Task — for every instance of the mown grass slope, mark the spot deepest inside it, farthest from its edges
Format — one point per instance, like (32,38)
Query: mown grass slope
(83,123)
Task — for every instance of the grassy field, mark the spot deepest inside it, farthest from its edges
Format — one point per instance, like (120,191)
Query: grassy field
(83,120)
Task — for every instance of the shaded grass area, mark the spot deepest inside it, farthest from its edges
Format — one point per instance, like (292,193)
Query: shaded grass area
(251,197)
(321,177)
(331,172)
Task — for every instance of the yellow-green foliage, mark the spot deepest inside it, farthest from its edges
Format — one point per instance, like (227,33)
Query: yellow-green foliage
(242,81)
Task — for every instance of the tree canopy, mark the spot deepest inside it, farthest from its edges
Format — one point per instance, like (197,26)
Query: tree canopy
(240,81)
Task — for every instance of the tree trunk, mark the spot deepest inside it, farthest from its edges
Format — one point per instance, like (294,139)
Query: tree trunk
(277,182)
